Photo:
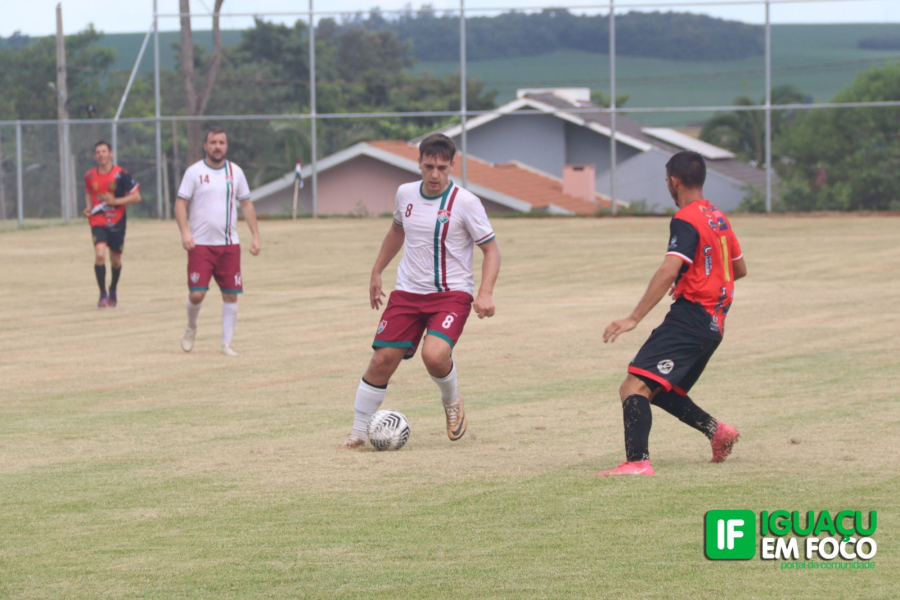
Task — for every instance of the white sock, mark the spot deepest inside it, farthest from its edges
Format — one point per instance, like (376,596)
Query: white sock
(449,393)
(229,320)
(368,400)
(193,311)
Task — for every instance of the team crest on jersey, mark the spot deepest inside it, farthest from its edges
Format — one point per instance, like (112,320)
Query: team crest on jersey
(381,326)
(195,277)
(665,366)
(443,216)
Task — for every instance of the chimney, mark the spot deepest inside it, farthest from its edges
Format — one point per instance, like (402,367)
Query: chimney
(579,181)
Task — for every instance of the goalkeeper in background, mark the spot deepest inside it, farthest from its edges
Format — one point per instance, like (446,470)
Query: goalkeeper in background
(108,189)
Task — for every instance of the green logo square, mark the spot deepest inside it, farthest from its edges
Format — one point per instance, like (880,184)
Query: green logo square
(730,534)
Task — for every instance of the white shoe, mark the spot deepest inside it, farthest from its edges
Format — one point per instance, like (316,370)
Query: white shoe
(228,350)
(187,341)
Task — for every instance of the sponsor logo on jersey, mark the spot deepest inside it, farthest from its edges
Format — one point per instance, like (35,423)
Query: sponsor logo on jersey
(381,326)
(195,277)
(707,259)
(96,186)
(443,216)
(673,243)
(665,366)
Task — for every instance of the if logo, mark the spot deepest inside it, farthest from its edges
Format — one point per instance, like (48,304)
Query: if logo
(730,534)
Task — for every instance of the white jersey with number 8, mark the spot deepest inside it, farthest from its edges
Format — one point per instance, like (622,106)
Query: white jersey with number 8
(440,234)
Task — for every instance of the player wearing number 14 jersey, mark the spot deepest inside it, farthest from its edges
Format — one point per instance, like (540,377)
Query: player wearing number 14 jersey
(703,260)
(437,224)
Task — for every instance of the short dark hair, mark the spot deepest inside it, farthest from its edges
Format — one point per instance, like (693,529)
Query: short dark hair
(688,167)
(103,143)
(437,144)
(214,130)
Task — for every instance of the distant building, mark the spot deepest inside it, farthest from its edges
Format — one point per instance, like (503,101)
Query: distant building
(363,180)
(550,140)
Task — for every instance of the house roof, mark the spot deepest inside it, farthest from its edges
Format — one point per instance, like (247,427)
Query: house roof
(540,190)
(628,131)
(511,184)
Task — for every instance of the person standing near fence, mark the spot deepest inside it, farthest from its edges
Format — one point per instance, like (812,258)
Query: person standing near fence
(108,189)
(213,187)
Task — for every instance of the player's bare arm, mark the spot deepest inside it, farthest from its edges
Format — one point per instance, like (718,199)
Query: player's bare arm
(87,204)
(490,270)
(739,268)
(391,245)
(249,213)
(124,200)
(661,282)
(181,217)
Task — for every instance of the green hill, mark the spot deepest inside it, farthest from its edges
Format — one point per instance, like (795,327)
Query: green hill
(819,60)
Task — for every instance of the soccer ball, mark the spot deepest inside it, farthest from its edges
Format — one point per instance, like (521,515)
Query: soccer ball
(388,430)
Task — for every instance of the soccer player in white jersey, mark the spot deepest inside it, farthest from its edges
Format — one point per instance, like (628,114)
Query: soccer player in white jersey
(437,223)
(212,188)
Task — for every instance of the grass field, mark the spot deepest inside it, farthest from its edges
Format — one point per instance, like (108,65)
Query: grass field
(131,470)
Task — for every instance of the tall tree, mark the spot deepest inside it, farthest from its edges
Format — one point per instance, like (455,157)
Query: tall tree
(846,158)
(744,132)
(194,102)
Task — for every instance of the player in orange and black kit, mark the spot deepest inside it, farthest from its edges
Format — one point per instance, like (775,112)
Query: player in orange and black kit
(108,189)
(703,261)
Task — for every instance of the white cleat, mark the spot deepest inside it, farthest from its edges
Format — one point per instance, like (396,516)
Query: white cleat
(228,350)
(187,341)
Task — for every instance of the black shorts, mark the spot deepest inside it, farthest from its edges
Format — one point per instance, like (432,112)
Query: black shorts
(673,357)
(113,237)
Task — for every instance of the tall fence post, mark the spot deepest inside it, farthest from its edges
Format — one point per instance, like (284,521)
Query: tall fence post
(20,197)
(768,109)
(312,108)
(612,105)
(159,177)
(463,104)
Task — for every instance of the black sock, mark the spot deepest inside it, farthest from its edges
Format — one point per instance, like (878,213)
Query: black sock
(100,272)
(116,271)
(638,419)
(684,409)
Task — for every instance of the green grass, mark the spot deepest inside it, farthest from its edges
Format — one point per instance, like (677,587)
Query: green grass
(819,60)
(129,469)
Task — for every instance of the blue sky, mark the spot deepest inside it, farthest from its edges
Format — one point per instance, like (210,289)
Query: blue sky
(38,17)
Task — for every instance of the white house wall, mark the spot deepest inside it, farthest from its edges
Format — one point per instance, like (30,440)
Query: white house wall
(536,140)
(643,179)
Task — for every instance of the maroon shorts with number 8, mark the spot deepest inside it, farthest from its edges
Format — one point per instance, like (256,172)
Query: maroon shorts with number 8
(407,316)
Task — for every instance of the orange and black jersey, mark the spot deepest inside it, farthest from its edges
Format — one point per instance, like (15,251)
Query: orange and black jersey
(117,182)
(703,238)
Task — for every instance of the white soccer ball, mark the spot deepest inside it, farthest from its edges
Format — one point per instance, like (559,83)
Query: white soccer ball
(388,430)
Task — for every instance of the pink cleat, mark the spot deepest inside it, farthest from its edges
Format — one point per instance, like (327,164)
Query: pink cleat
(104,301)
(641,467)
(723,442)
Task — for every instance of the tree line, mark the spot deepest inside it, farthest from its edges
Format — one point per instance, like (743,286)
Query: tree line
(671,35)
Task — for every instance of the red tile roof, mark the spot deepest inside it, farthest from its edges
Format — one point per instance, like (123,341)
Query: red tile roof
(509,179)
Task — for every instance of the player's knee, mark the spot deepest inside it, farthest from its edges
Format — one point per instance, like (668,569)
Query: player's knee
(381,366)
(229,298)
(197,297)
(631,386)
(435,359)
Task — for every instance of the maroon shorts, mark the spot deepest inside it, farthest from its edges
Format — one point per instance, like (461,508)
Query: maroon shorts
(223,262)
(407,316)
